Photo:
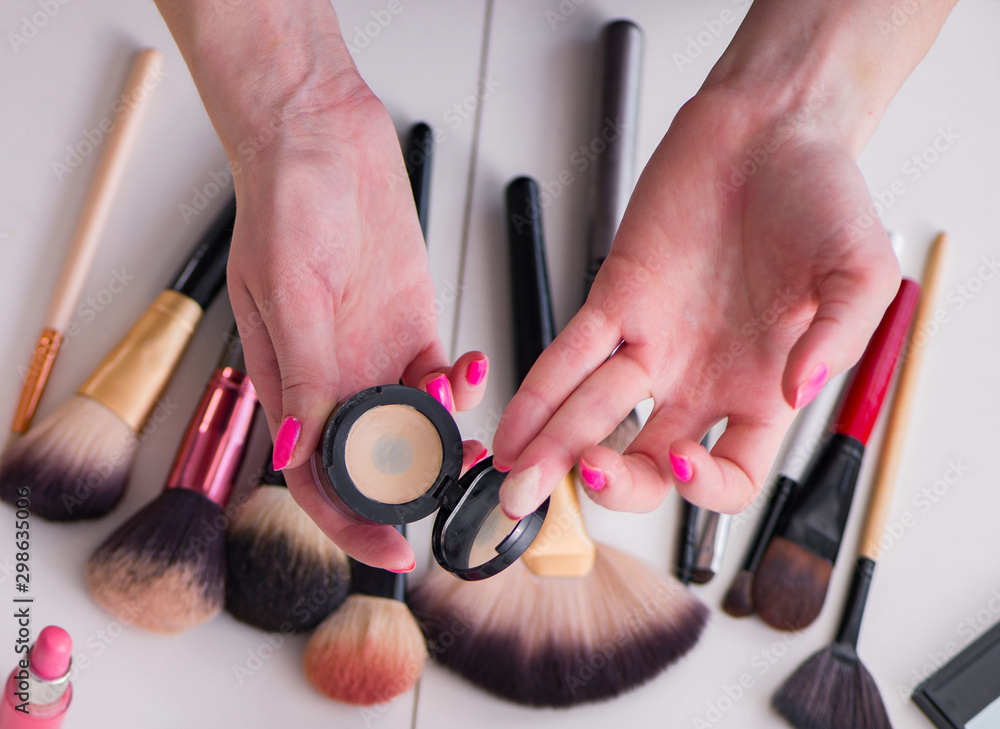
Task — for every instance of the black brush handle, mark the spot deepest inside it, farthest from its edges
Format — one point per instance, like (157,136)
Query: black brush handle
(854,608)
(688,546)
(534,317)
(419,155)
(269,476)
(613,172)
(366,580)
(204,272)
(784,488)
(817,514)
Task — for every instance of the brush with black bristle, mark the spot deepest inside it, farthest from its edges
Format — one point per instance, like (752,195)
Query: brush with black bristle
(812,422)
(419,156)
(527,633)
(833,689)
(791,582)
(282,572)
(371,649)
(76,462)
(613,175)
(163,569)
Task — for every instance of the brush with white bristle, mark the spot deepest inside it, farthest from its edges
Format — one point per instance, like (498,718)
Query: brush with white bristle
(76,462)
(538,632)
(371,649)
(163,569)
(282,572)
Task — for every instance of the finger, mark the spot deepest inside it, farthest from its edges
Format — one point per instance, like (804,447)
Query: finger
(438,386)
(258,353)
(378,545)
(586,342)
(468,378)
(473,452)
(308,374)
(638,480)
(849,309)
(585,418)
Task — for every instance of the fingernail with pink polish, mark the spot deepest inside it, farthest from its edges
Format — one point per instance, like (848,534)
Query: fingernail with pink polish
(285,441)
(593,477)
(475,373)
(479,459)
(681,466)
(412,567)
(440,389)
(809,389)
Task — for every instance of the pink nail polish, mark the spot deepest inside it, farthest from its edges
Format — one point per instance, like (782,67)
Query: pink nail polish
(475,373)
(501,468)
(681,466)
(284,442)
(404,571)
(809,389)
(481,456)
(593,477)
(440,389)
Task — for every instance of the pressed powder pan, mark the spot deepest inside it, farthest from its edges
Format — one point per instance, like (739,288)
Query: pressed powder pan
(393,455)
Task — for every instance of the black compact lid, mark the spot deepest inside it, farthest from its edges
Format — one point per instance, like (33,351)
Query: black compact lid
(473,538)
(970,683)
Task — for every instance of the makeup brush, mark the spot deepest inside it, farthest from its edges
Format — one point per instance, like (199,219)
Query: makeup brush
(419,156)
(833,689)
(76,461)
(791,582)
(812,422)
(613,172)
(371,649)
(532,633)
(282,572)
(163,569)
(687,547)
(89,229)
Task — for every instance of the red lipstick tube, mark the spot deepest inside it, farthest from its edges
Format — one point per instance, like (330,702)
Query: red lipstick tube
(210,455)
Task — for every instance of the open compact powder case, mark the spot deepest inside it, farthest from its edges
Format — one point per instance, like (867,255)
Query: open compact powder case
(393,454)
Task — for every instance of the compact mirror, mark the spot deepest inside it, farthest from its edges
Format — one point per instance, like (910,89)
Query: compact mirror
(393,454)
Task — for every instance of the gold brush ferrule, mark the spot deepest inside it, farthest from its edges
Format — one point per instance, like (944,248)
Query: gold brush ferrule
(133,376)
(38,374)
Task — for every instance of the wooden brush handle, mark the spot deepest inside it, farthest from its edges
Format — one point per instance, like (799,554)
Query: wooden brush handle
(562,547)
(899,415)
(97,207)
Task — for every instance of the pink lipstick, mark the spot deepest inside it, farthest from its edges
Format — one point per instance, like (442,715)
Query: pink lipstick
(38,691)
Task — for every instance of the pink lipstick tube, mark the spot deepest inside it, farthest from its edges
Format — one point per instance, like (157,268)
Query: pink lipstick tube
(216,438)
(38,690)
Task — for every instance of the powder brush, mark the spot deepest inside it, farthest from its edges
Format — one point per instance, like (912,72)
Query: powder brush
(77,461)
(163,569)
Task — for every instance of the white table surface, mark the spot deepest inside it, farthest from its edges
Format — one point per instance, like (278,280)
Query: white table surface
(938,584)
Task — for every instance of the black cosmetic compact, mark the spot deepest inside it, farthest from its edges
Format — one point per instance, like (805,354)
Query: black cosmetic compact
(393,454)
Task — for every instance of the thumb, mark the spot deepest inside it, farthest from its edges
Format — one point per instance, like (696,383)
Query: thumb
(851,304)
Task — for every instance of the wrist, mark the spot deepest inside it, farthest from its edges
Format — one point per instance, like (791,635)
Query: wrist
(828,67)
(267,72)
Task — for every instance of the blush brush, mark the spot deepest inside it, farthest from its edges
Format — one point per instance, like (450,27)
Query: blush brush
(76,462)
(531,633)
(833,689)
(282,572)
(791,583)
(163,569)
